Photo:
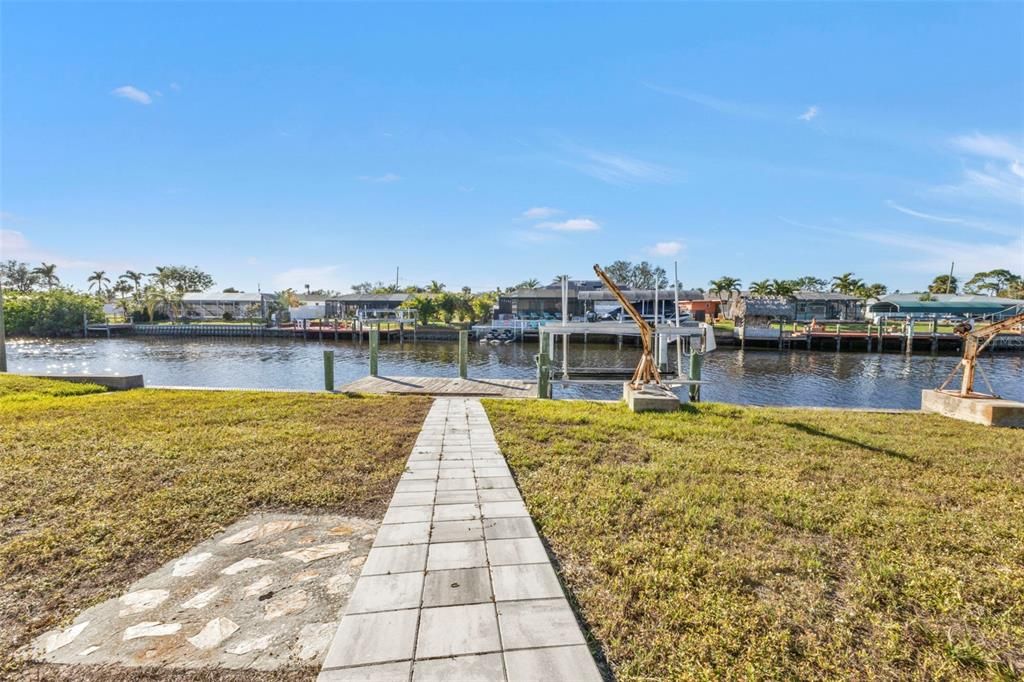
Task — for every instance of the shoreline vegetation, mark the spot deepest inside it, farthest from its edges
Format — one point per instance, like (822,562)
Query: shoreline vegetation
(780,543)
(99,489)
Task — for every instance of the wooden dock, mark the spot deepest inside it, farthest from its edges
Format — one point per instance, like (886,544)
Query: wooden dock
(497,388)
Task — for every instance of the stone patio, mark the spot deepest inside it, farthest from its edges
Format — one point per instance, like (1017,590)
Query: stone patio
(458,585)
(265,594)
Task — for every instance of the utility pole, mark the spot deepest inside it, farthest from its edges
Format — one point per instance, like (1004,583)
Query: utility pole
(949,282)
(396,277)
(3,340)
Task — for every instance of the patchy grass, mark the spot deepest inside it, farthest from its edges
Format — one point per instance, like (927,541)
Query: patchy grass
(725,542)
(100,491)
(16,387)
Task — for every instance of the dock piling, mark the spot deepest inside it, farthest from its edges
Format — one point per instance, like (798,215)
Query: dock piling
(328,370)
(374,346)
(463,354)
(696,360)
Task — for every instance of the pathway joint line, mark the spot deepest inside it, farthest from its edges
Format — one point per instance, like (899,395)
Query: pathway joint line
(454,621)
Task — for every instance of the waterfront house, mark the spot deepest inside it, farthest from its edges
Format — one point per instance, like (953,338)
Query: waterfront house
(365,306)
(586,298)
(211,305)
(760,311)
(944,305)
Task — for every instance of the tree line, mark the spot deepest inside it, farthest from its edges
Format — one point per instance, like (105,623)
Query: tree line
(992,283)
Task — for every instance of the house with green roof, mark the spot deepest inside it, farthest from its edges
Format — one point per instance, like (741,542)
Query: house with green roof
(944,305)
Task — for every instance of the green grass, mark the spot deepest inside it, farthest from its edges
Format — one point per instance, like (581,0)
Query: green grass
(98,491)
(724,542)
(17,388)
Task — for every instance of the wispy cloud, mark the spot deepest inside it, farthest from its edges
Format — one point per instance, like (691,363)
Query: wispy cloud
(670,248)
(175,86)
(16,246)
(928,254)
(954,220)
(541,212)
(718,104)
(132,93)
(1001,177)
(571,225)
(989,146)
(386,178)
(811,113)
(618,169)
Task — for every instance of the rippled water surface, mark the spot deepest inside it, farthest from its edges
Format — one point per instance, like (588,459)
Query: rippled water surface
(760,377)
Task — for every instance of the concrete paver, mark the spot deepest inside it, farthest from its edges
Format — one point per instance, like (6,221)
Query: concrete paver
(458,585)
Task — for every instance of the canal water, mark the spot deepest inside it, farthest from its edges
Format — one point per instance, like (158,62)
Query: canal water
(755,377)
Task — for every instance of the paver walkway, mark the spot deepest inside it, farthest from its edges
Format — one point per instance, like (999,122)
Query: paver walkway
(458,585)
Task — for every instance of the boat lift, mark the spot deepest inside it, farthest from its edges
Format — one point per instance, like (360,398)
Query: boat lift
(692,339)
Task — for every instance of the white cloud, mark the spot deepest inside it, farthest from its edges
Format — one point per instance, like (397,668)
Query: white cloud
(317,277)
(618,169)
(386,178)
(925,253)
(14,245)
(811,113)
(1017,169)
(954,220)
(709,101)
(175,86)
(133,93)
(571,225)
(665,248)
(989,146)
(541,212)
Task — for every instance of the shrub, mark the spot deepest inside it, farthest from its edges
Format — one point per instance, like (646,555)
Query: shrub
(58,312)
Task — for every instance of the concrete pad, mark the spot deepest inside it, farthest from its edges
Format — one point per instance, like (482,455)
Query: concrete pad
(525,581)
(516,551)
(386,593)
(495,510)
(984,411)
(455,630)
(456,512)
(398,559)
(514,527)
(538,623)
(193,612)
(457,586)
(456,555)
(362,639)
(408,514)
(403,534)
(651,399)
(557,664)
(456,497)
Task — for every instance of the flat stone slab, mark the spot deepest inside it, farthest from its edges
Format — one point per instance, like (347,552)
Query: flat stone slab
(984,411)
(266,593)
(652,399)
(115,382)
(458,585)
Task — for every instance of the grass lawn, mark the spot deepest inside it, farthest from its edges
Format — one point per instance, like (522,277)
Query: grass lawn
(97,491)
(724,542)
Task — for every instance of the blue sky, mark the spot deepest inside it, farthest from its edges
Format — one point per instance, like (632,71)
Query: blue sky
(481,144)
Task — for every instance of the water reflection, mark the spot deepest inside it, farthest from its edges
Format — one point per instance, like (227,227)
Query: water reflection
(737,376)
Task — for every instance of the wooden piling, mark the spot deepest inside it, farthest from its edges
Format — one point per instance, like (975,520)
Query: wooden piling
(463,354)
(696,361)
(374,346)
(328,370)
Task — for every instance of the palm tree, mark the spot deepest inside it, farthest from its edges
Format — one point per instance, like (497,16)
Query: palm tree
(135,278)
(846,283)
(121,290)
(48,273)
(99,281)
(726,285)
(761,288)
(435,287)
(781,288)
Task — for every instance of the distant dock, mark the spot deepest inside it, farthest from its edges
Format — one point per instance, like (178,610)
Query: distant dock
(444,386)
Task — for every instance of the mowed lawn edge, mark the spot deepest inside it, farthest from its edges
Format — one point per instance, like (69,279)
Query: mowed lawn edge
(100,490)
(725,542)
